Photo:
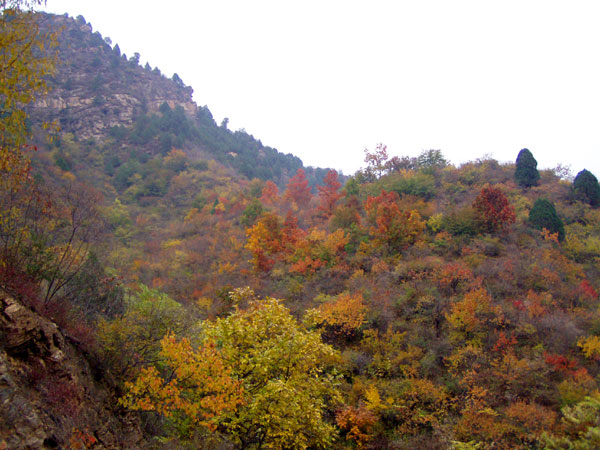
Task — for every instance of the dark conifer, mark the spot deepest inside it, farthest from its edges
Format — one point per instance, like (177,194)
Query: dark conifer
(587,188)
(543,215)
(526,173)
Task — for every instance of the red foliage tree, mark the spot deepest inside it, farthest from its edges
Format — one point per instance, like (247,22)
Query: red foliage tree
(297,189)
(328,194)
(270,193)
(494,211)
(390,226)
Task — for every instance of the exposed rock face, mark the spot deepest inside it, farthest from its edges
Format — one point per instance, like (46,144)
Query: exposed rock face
(48,395)
(96,88)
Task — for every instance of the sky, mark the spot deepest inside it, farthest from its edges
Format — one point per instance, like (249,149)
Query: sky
(326,79)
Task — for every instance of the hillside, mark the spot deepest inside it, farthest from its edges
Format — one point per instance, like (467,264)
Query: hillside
(223,302)
(97,93)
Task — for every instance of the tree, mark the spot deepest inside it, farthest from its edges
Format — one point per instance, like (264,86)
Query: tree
(526,173)
(282,368)
(329,194)
(391,227)
(297,189)
(24,64)
(265,241)
(133,339)
(543,215)
(258,376)
(587,188)
(197,388)
(494,211)
(431,159)
(46,235)
(376,162)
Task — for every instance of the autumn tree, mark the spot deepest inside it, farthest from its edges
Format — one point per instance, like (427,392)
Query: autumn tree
(195,389)
(270,193)
(543,215)
(526,173)
(494,211)
(265,241)
(376,162)
(391,227)
(283,371)
(341,316)
(24,63)
(581,426)
(328,194)
(586,188)
(297,189)
(46,235)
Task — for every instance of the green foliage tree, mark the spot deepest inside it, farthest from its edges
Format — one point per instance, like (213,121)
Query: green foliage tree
(587,188)
(132,339)
(582,425)
(431,159)
(543,215)
(526,173)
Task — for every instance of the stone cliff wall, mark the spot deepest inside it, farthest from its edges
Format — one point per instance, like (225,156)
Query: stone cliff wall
(95,88)
(49,397)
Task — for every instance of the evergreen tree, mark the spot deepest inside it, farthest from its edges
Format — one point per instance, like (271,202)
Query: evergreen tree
(543,215)
(526,173)
(587,188)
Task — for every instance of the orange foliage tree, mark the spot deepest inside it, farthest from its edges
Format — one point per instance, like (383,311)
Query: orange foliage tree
(328,194)
(265,241)
(392,228)
(297,189)
(198,387)
(344,315)
(270,193)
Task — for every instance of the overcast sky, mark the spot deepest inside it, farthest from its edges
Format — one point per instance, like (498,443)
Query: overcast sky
(326,79)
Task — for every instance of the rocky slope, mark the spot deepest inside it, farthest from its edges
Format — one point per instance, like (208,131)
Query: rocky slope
(49,395)
(96,88)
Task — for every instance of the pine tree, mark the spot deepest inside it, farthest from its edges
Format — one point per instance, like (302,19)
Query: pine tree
(526,173)
(587,188)
(543,215)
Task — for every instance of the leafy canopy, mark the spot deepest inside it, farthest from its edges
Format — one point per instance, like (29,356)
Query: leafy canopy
(258,376)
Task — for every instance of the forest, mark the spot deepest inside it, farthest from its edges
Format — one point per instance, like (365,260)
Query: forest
(234,299)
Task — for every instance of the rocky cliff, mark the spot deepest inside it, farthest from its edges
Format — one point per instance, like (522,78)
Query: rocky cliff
(96,88)
(49,394)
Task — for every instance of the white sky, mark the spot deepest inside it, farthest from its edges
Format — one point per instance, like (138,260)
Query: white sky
(325,79)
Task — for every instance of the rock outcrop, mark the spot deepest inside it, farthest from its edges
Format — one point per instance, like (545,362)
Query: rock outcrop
(96,88)
(49,397)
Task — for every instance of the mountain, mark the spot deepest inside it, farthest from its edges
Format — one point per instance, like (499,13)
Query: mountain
(97,92)
(207,296)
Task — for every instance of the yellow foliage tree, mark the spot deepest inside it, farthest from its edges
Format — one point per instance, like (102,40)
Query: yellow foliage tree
(197,389)
(24,64)
(343,315)
(283,370)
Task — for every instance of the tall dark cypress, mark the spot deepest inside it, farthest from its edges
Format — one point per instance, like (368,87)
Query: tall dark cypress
(543,215)
(526,173)
(587,188)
